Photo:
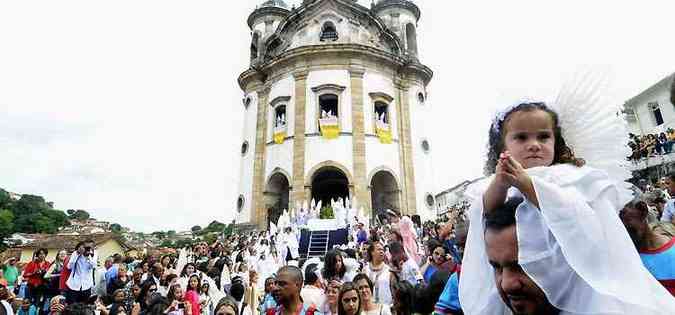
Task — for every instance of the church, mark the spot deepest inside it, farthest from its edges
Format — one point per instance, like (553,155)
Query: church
(335,107)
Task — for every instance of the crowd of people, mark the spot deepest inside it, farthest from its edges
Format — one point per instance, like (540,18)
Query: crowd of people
(650,145)
(545,234)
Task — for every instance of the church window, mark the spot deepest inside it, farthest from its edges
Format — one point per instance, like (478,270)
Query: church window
(280,118)
(328,32)
(328,104)
(247,102)
(254,46)
(240,203)
(244,148)
(656,111)
(426,147)
(411,39)
(382,112)
(421,98)
(430,200)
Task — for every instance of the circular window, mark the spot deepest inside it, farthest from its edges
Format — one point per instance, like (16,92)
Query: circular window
(240,203)
(244,148)
(247,102)
(421,98)
(430,200)
(426,147)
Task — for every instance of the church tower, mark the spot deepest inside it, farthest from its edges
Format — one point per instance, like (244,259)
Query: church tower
(335,105)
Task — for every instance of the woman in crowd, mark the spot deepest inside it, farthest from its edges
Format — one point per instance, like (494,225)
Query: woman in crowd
(437,261)
(330,307)
(268,301)
(378,271)
(188,270)
(53,275)
(349,302)
(334,268)
(205,302)
(119,306)
(226,306)
(34,273)
(177,303)
(168,266)
(192,293)
(368,305)
(403,293)
(148,289)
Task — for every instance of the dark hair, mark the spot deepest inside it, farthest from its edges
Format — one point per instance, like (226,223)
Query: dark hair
(403,292)
(346,287)
(237,291)
(144,292)
(329,272)
(199,283)
(227,301)
(183,272)
(363,276)
(639,205)
(310,274)
(296,273)
(396,248)
(504,216)
(562,153)
(371,249)
(172,292)
(43,250)
(78,309)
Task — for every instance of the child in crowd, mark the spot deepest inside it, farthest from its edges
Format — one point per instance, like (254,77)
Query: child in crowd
(570,239)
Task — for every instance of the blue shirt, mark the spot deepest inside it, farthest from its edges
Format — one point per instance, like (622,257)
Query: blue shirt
(661,264)
(449,299)
(668,211)
(111,275)
(32,310)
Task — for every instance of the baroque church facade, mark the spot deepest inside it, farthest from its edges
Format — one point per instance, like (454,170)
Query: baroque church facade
(335,105)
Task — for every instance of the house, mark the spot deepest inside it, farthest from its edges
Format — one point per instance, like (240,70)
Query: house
(453,198)
(107,244)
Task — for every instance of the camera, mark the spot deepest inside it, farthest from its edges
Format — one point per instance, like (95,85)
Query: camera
(181,306)
(88,251)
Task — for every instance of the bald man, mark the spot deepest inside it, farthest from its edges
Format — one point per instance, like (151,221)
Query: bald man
(286,292)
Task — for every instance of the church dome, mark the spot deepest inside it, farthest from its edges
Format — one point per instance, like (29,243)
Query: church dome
(274,3)
(380,5)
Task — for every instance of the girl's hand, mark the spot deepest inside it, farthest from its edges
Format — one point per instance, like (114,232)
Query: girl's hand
(514,172)
(502,177)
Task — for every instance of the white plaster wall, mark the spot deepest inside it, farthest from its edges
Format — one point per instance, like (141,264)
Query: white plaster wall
(425,181)
(316,78)
(246,165)
(378,155)
(372,83)
(281,156)
(318,149)
(283,87)
(647,122)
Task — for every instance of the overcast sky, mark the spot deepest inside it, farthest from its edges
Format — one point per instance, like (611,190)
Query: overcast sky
(131,110)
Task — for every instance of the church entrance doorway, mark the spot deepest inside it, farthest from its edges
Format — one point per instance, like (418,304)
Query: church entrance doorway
(329,183)
(276,196)
(384,193)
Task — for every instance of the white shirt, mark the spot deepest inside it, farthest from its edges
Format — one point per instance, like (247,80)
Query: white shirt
(381,289)
(668,211)
(8,308)
(409,271)
(312,295)
(81,272)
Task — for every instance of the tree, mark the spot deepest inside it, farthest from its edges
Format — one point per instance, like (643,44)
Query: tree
(196,229)
(6,201)
(210,238)
(29,204)
(6,225)
(79,215)
(116,228)
(171,234)
(167,243)
(228,230)
(159,234)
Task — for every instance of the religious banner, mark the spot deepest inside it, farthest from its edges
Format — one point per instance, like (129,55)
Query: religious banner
(279,134)
(383,132)
(330,129)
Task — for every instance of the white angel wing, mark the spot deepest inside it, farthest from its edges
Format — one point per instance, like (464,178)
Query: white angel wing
(182,260)
(592,125)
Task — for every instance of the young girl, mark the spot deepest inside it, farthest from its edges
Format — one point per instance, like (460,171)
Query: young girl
(192,294)
(570,241)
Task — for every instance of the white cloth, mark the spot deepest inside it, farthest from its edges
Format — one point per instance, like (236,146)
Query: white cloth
(81,272)
(312,295)
(410,271)
(380,279)
(379,310)
(8,308)
(668,211)
(575,248)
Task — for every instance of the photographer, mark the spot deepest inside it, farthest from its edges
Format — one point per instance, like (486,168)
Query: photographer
(34,273)
(81,265)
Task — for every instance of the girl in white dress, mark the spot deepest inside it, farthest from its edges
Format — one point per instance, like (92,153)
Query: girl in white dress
(571,242)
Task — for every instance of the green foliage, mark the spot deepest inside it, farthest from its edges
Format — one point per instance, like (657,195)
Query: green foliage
(79,215)
(6,223)
(196,229)
(171,233)
(213,227)
(184,243)
(159,234)
(229,230)
(210,238)
(326,213)
(116,228)
(29,204)
(167,243)
(6,201)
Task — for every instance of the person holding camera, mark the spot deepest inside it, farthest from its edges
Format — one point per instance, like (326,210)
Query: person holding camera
(34,273)
(81,265)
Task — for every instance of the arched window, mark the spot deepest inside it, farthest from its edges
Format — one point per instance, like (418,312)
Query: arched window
(280,118)
(254,46)
(328,32)
(328,104)
(382,112)
(240,203)
(411,39)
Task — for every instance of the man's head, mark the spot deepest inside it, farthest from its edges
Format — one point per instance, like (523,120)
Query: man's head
(40,254)
(518,291)
(670,183)
(108,263)
(287,285)
(157,270)
(634,218)
(398,255)
(12,261)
